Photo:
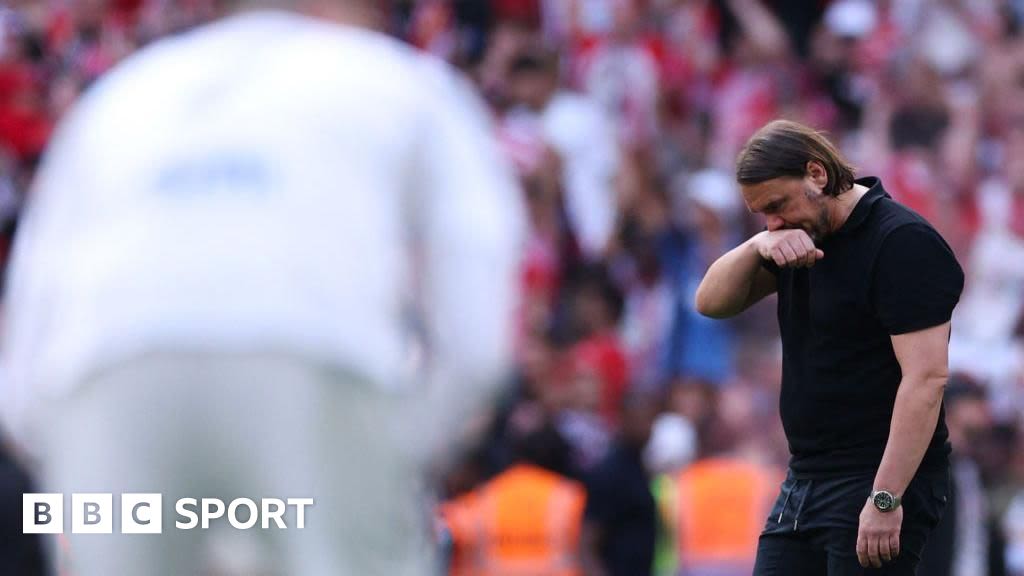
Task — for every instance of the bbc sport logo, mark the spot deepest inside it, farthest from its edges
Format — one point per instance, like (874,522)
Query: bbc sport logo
(93,513)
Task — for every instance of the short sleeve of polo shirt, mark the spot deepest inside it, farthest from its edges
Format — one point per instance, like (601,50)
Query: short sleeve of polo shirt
(771,266)
(917,281)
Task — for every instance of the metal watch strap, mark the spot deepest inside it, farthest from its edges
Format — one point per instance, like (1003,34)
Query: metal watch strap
(896,500)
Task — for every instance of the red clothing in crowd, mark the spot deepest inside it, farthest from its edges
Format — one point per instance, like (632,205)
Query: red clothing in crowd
(604,355)
(24,125)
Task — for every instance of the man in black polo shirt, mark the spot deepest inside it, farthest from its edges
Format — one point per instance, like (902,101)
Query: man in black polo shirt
(866,288)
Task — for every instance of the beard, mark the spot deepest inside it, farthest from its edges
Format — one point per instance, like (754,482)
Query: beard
(821,227)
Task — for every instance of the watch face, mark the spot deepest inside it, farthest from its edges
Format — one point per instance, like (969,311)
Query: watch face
(884,501)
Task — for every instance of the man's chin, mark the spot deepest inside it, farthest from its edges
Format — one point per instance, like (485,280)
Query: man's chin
(816,235)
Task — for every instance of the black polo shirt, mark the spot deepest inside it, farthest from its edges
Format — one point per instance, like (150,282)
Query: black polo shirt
(886,271)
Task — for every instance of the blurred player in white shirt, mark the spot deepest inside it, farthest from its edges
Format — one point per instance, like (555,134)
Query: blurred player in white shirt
(272,257)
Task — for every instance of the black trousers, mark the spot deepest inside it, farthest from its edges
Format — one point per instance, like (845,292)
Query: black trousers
(812,530)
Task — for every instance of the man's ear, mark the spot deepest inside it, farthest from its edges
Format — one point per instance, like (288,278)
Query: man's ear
(816,172)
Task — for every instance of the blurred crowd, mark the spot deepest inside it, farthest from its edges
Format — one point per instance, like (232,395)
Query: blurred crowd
(623,119)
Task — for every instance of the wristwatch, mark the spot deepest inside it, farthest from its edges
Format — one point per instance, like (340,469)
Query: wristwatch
(885,501)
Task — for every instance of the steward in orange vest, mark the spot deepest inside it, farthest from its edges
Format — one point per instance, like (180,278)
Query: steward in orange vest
(524,522)
(721,506)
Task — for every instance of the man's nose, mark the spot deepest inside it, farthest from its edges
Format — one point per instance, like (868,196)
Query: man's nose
(775,223)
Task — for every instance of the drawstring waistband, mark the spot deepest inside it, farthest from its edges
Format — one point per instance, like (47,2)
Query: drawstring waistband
(786,503)
(800,506)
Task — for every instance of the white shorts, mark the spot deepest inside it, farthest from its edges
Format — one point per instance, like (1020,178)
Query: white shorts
(192,425)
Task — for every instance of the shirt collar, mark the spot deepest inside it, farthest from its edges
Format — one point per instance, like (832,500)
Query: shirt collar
(860,212)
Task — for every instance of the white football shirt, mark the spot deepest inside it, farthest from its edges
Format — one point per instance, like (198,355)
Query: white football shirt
(268,182)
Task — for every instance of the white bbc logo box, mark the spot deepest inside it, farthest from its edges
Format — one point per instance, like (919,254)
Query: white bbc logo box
(92,513)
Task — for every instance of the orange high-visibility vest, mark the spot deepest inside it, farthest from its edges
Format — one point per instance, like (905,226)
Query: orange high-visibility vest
(524,522)
(722,507)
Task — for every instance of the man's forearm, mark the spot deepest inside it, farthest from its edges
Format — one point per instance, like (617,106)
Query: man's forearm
(914,417)
(725,289)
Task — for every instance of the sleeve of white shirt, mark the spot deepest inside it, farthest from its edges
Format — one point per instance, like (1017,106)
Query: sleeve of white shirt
(470,214)
(46,234)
